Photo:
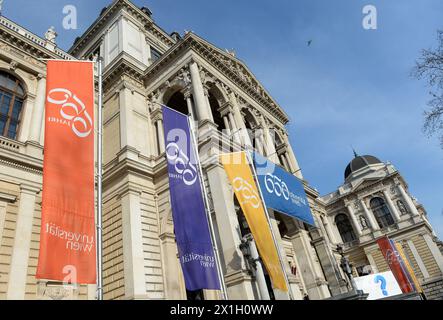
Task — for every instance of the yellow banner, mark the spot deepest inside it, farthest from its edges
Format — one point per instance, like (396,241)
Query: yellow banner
(241,178)
(408,266)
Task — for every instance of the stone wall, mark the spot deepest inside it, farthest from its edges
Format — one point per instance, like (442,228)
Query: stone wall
(433,288)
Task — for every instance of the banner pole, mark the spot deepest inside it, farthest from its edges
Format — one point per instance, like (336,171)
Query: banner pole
(99,184)
(251,161)
(208,214)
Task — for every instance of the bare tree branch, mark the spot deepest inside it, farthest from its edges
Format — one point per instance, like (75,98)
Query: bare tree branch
(429,67)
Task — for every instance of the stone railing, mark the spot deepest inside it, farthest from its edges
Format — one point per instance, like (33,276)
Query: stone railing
(32,37)
(6,143)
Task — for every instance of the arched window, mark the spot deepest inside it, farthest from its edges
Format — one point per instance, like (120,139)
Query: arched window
(381,212)
(12,95)
(345,228)
(401,206)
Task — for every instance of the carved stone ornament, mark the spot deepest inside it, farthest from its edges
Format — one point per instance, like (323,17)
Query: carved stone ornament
(185,76)
(51,35)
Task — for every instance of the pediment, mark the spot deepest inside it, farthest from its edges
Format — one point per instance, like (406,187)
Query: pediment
(364,183)
(227,64)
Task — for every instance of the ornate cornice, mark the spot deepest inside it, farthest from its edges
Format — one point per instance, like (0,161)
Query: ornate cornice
(21,40)
(122,69)
(108,13)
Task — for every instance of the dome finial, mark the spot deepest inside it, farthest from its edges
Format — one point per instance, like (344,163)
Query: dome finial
(355,152)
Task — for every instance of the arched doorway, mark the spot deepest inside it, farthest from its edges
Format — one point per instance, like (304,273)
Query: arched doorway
(177,102)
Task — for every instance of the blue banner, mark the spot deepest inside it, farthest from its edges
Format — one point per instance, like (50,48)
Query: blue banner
(192,233)
(282,191)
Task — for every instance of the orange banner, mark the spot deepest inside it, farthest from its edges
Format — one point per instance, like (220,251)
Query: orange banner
(67,236)
(240,175)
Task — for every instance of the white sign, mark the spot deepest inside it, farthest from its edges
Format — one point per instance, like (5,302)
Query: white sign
(379,286)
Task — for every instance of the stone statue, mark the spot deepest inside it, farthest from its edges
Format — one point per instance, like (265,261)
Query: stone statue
(50,35)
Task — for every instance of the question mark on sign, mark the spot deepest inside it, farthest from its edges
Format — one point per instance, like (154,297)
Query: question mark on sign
(383,284)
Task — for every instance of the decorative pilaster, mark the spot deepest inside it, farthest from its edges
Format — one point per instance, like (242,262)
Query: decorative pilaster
(135,283)
(436,253)
(417,258)
(22,243)
(127,132)
(38,110)
(161,135)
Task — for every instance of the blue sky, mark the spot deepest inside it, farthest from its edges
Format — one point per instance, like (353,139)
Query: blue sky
(350,87)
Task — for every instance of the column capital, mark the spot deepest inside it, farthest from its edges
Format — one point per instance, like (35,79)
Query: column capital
(32,190)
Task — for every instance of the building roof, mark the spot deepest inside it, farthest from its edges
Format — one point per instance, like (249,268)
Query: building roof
(360,162)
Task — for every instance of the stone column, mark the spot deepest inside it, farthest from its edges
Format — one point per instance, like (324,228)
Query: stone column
(227,126)
(187,95)
(370,216)
(417,258)
(38,111)
(391,206)
(238,119)
(272,153)
(234,127)
(436,253)
(329,231)
(411,206)
(354,219)
(310,270)
(22,243)
(288,161)
(161,136)
(134,272)
(228,233)
(201,105)
(292,158)
(285,162)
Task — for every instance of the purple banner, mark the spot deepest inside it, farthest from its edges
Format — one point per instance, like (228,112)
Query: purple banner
(188,208)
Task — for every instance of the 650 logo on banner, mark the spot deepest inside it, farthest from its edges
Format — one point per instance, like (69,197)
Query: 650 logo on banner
(248,193)
(183,167)
(72,110)
(275,185)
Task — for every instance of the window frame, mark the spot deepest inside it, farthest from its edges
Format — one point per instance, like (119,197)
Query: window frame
(382,207)
(15,96)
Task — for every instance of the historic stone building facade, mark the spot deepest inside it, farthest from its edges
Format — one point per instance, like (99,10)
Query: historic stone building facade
(374,201)
(144,67)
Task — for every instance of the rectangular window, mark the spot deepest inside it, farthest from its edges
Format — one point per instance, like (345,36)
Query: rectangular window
(155,55)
